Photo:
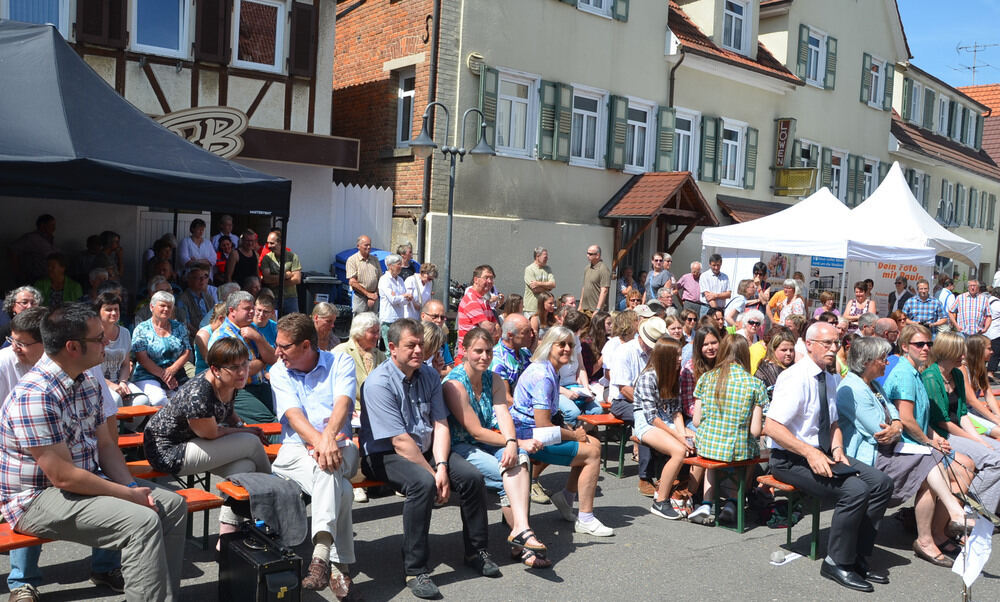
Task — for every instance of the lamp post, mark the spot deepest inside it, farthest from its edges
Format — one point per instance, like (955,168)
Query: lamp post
(423,146)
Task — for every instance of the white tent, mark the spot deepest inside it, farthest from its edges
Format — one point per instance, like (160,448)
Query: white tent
(892,217)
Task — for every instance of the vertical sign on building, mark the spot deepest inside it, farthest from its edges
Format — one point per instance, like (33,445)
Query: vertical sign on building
(784,134)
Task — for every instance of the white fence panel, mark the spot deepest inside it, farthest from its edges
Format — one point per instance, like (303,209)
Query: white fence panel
(361,210)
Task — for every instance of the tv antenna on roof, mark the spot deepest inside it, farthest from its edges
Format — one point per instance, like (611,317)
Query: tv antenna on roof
(975,48)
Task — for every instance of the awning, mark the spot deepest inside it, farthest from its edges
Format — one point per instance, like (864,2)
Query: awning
(745,210)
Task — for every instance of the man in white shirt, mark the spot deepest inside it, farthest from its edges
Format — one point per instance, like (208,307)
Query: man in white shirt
(807,452)
(947,298)
(714,284)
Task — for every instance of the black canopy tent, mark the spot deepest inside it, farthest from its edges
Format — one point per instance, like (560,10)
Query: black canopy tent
(66,134)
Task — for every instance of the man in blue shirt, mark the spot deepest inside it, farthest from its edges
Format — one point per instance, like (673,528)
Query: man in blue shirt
(511,355)
(406,441)
(314,398)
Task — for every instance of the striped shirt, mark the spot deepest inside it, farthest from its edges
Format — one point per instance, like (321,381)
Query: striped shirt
(971,312)
(472,311)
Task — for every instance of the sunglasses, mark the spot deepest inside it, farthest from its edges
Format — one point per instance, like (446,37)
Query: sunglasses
(753,323)
(922,344)
(692,319)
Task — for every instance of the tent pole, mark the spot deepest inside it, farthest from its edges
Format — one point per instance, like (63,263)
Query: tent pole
(173,258)
(843,282)
(282,224)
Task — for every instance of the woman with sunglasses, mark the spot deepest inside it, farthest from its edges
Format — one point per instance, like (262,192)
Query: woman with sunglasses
(199,430)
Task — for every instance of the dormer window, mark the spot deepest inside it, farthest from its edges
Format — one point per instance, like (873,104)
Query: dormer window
(735,20)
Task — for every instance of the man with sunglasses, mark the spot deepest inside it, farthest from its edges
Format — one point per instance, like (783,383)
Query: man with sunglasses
(807,451)
(62,475)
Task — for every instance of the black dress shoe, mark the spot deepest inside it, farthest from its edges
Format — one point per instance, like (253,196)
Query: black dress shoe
(846,577)
(862,568)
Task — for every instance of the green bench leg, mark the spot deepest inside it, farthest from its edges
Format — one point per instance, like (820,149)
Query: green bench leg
(814,537)
(728,474)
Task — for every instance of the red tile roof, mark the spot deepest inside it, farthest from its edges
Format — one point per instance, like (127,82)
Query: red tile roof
(646,194)
(745,210)
(693,40)
(989,95)
(945,149)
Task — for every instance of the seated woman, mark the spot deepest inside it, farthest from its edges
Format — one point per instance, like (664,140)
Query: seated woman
(482,432)
(117,364)
(575,397)
(536,401)
(199,431)
(58,288)
(984,413)
(659,422)
(204,334)
(780,355)
(948,416)
(161,348)
(729,413)
(871,429)
(324,316)
(16,301)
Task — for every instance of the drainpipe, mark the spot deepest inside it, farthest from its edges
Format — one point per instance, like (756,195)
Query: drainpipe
(670,103)
(425,201)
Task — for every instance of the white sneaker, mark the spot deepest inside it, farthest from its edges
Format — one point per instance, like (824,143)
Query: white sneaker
(702,515)
(595,528)
(360,495)
(564,507)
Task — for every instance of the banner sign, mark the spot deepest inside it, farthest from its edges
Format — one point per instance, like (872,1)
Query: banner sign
(782,141)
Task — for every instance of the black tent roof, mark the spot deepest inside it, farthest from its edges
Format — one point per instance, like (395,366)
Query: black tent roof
(65,133)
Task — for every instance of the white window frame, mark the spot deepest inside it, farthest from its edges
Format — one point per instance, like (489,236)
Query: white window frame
(942,115)
(804,144)
(531,117)
(62,25)
(183,34)
(588,6)
(840,174)
(279,37)
(871,183)
(403,138)
(745,29)
(916,102)
(600,141)
(650,125)
(876,94)
(741,128)
(820,58)
(694,142)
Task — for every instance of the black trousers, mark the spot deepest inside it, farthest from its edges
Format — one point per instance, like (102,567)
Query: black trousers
(995,358)
(624,410)
(418,486)
(860,502)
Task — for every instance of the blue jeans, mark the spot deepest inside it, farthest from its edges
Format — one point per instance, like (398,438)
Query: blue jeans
(486,459)
(24,565)
(572,409)
(289,305)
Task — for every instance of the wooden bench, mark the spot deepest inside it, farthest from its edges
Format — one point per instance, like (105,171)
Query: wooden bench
(133,412)
(198,500)
(130,440)
(728,471)
(240,494)
(268,428)
(609,422)
(796,499)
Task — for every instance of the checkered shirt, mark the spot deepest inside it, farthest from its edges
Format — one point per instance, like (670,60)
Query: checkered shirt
(971,312)
(47,407)
(724,432)
(687,389)
(648,400)
(509,364)
(924,312)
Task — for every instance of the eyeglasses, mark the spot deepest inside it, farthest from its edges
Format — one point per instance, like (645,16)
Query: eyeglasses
(19,344)
(589,253)
(829,344)
(922,344)
(238,368)
(98,339)
(284,347)
(435,316)
(26,303)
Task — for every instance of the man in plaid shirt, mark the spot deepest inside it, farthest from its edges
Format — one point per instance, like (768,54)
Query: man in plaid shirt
(511,356)
(971,313)
(474,310)
(63,477)
(924,309)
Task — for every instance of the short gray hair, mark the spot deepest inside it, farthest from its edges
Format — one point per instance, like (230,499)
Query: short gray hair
(325,310)
(228,289)
(392,259)
(8,302)
(156,281)
(362,323)
(867,319)
(538,251)
(233,301)
(94,273)
(864,351)
(792,284)
(510,327)
(403,248)
(161,297)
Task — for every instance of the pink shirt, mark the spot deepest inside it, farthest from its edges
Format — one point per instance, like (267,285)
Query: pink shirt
(689,288)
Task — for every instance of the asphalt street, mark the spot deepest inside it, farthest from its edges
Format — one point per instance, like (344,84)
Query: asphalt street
(648,558)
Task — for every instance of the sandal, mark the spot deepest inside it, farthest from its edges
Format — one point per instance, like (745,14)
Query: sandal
(521,541)
(535,560)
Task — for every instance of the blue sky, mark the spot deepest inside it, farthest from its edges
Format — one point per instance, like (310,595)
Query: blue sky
(935,27)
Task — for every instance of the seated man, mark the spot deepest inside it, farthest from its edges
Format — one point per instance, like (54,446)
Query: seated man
(314,398)
(511,356)
(253,402)
(406,441)
(807,451)
(196,301)
(63,475)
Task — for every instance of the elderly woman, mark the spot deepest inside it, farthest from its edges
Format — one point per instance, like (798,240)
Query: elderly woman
(362,346)
(324,316)
(161,347)
(199,430)
(482,432)
(948,417)
(420,286)
(793,303)
(871,428)
(197,248)
(536,401)
(392,294)
(117,364)
(58,288)
(16,301)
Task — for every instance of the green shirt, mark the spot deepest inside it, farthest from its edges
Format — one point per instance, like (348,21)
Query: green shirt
(269,265)
(595,277)
(724,432)
(934,383)
(533,273)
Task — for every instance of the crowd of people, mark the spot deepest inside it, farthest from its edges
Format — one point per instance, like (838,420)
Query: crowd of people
(870,412)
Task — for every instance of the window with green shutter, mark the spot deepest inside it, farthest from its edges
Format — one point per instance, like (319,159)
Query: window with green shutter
(664,139)
(620,10)
(750,169)
(907,97)
(710,132)
(489,86)
(802,58)
(866,77)
(826,169)
(973,208)
(617,126)
(925,192)
(883,169)
(830,79)
(993,207)
(555,119)
(928,109)
(978,143)
(961,217)
(889,76)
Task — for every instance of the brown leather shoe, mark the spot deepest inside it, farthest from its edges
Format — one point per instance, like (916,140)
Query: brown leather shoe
(317,575)
(646,488)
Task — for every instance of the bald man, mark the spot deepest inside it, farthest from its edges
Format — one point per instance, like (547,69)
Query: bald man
(363,271)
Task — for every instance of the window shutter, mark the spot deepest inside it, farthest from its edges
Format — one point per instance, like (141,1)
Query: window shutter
(978,142)
(617,126)
(925,192)
(620,10)
(929,109)
(950,130)
(710,127)
(973,208)
(964,125)
(983,206)
(796,153)
(910,177)
(993,207)
(302,49)
(852,180)
(548,122)
(960,215)
(212,22)
(802,61)
(101,22)
(859,180)
(750,165)
(883,169)
(664,139)
(489,85)
(907,97)
(890,83)
(826,168)
(564,122)
(866,77)
(813,155)
(831,63)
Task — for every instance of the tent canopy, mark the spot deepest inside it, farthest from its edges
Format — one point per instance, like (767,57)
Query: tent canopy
(893,203)
(64,133)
